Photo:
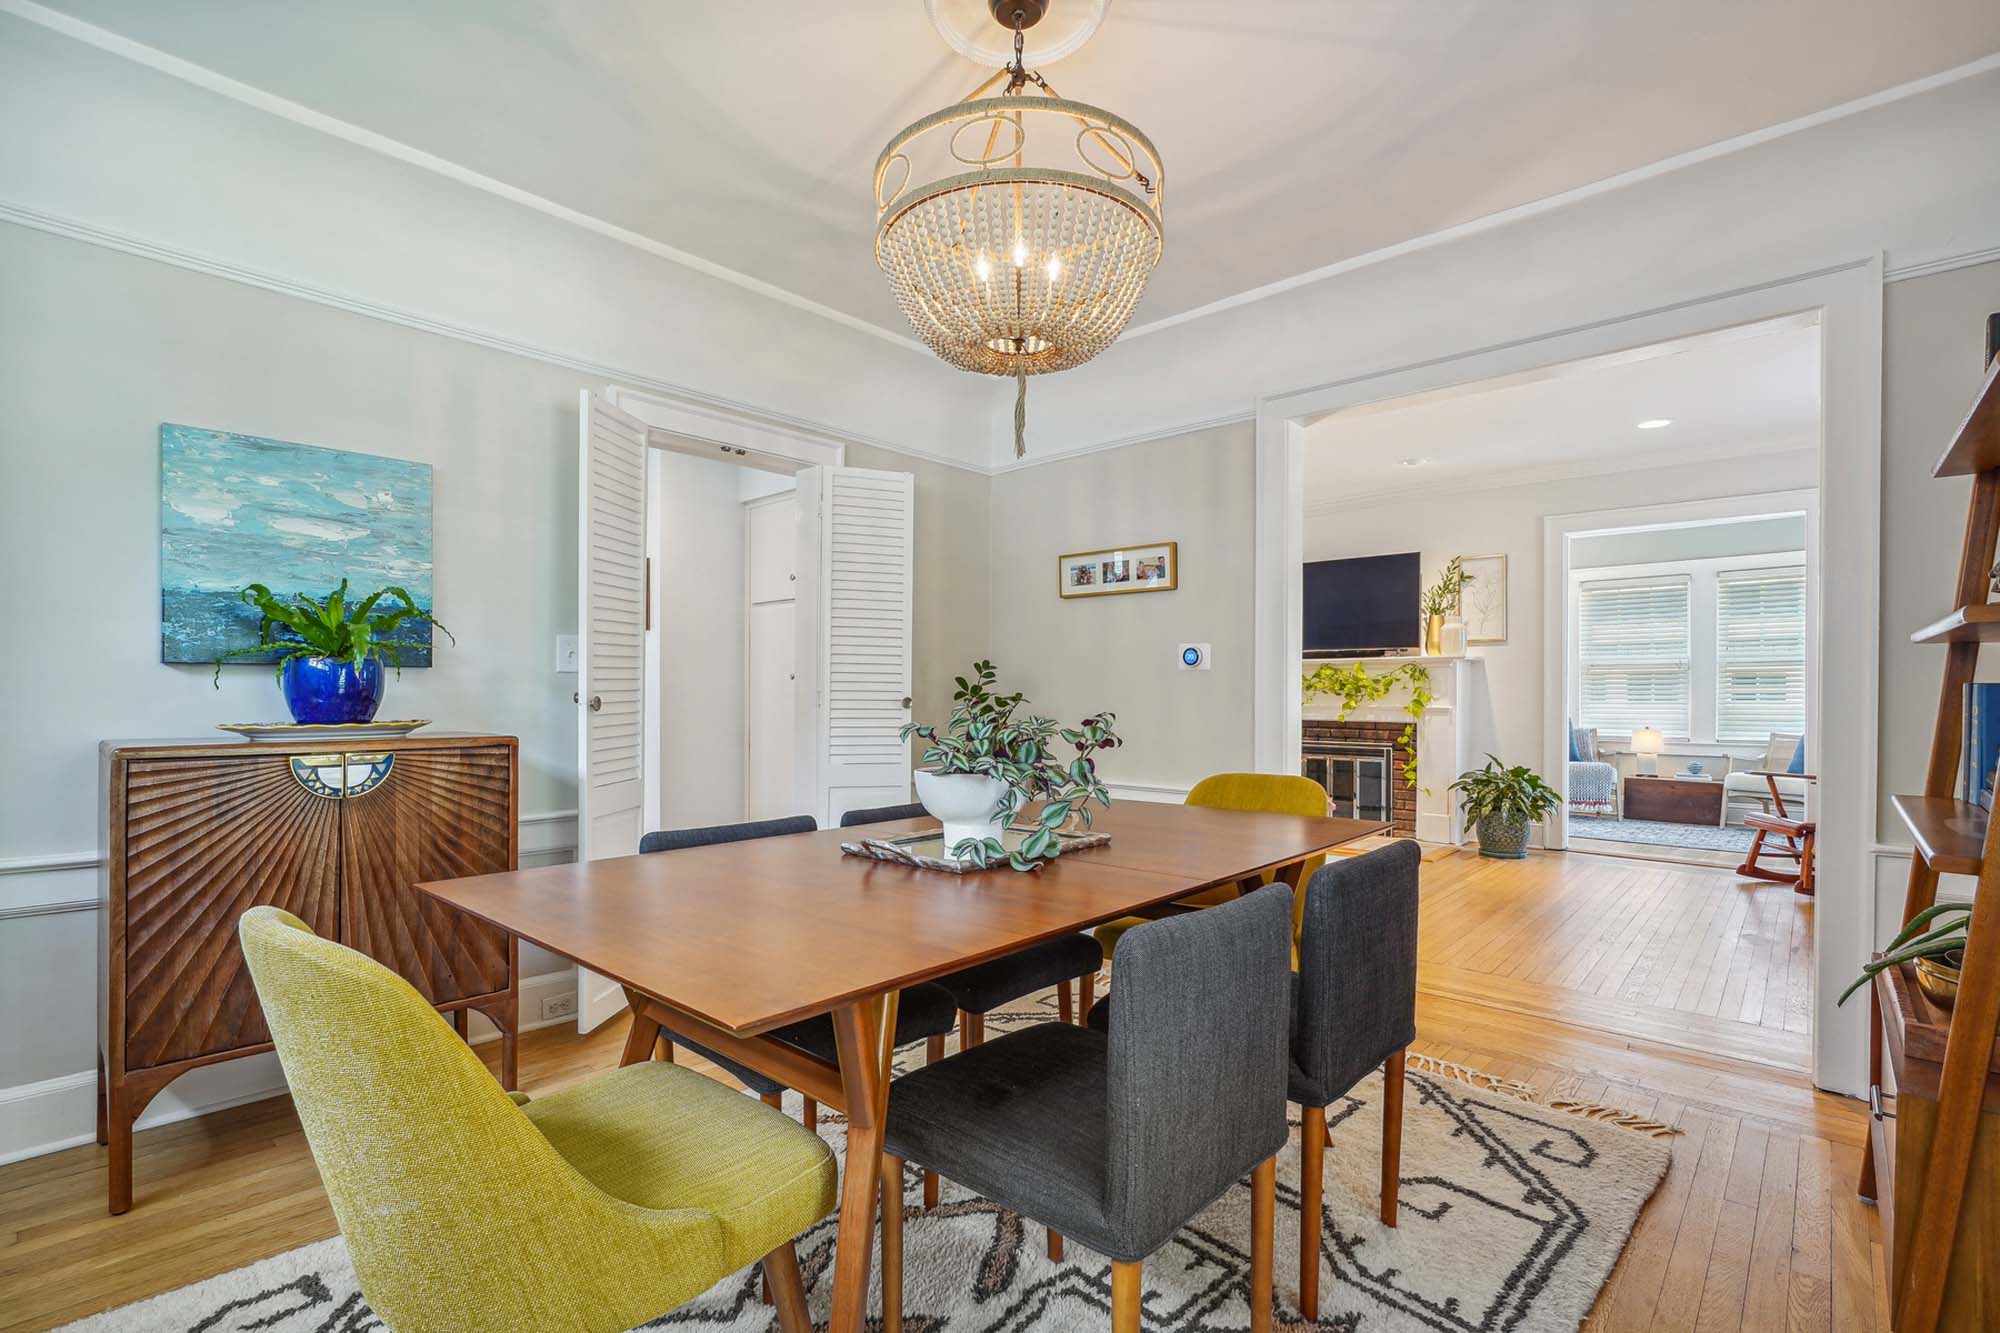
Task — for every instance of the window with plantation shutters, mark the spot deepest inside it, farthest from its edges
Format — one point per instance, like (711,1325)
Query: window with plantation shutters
(1633,655)
(1760,653)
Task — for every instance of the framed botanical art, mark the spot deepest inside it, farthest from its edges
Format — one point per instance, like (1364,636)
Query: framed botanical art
(1483,602)
(1117,569)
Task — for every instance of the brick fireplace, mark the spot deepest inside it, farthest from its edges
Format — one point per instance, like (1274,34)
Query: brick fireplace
(1355,762)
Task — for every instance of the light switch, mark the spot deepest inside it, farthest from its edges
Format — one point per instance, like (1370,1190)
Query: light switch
(566,653)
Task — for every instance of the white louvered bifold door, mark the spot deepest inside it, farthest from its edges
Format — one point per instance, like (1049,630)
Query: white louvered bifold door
(856,573)
(611,541)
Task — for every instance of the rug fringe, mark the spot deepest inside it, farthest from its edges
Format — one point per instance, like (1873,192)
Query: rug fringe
(1478,1078)
(1611,1115)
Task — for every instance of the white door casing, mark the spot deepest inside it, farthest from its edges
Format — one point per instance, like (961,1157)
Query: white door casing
(855,638)
(611,553)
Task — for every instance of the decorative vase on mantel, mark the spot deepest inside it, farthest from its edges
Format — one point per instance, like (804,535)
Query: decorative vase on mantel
(1433,636)
(967,804)
(1452,640)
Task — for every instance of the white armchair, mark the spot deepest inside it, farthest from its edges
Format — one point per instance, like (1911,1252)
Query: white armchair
(1750,786)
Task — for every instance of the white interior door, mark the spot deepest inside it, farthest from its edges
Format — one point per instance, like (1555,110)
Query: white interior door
(611,544)
(855,630)
(771,657)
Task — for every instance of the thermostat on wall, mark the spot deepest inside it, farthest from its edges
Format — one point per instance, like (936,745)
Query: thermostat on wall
(1194,657)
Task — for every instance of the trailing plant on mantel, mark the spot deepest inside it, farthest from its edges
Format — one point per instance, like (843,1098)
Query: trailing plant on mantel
(1353,686)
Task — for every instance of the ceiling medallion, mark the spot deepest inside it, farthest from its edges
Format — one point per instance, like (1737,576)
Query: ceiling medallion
(1018,228)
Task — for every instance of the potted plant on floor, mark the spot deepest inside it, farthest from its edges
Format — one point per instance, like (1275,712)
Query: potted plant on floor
(987,763)
(1501,802)
(331,654)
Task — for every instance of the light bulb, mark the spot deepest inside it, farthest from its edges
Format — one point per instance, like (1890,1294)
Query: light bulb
(982,268)
(1055,267)
(1020,254)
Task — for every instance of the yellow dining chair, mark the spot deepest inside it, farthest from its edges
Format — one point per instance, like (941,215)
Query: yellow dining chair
(599,1207)
(1272,793)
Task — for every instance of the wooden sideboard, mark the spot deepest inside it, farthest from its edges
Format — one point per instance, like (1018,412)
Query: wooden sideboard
(195,832)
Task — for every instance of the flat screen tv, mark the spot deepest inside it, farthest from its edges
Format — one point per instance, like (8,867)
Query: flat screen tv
(1364,605)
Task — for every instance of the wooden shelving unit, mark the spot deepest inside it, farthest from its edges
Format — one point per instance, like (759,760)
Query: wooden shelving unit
(1933,1161)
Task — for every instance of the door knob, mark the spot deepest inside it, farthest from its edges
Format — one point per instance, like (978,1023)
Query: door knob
(906,701)
(596,703)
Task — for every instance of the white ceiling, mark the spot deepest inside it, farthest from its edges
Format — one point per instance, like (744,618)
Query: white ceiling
(1296,133)
(1740,391)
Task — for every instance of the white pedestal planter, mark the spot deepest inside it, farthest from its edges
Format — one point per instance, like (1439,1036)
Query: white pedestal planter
(965,803)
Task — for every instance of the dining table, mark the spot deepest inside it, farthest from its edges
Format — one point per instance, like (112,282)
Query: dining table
(725,942)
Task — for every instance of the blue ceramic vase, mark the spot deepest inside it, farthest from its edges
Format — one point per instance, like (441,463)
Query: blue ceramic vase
(322,691)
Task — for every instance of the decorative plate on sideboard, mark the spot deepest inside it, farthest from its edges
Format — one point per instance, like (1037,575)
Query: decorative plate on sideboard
(332,731)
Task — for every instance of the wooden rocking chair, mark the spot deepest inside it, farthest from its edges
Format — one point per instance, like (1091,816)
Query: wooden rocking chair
(1800,837)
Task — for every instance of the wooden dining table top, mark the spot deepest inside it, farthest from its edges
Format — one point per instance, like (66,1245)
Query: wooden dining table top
(752,935)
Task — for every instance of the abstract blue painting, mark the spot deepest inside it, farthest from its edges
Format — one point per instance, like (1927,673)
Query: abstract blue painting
(237,509)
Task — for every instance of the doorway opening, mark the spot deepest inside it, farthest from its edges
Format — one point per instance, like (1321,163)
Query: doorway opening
(1640,525)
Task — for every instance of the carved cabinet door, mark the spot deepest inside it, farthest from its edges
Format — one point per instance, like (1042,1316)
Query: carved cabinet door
(423,815)
(206,838)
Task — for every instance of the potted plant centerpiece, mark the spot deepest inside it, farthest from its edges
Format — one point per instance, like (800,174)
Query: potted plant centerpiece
(987,763)
(1501,802)
(331,653)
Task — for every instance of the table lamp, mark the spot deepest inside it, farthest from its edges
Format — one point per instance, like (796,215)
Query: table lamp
(1646,743)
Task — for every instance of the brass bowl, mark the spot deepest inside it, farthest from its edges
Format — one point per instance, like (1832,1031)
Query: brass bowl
(1938,980)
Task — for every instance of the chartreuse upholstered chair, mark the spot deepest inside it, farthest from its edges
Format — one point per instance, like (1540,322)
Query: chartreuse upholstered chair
(1120,1139)
(1272,793)
(598,1207)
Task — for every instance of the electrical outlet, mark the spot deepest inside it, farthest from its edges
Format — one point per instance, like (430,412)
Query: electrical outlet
(559,1006)
(566,653)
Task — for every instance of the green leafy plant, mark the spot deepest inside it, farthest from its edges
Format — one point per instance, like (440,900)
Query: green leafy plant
(331,628)
(985,736)
(1444,597)
(1511,793)
(1353,686)
(1936,932)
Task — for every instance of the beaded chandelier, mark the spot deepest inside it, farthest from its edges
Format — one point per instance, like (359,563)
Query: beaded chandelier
(1018,228)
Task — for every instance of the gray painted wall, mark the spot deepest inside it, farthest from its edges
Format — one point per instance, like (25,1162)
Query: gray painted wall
(1933,339)
(1077,656)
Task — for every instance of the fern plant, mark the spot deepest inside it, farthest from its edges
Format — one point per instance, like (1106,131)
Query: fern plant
(330,628)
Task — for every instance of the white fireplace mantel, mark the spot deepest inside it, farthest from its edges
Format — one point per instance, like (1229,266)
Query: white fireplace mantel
(1455,729)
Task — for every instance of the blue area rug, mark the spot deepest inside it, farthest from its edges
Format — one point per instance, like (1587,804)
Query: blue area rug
(1704,837)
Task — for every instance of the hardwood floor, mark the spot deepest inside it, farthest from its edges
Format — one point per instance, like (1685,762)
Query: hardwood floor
(1756,1226)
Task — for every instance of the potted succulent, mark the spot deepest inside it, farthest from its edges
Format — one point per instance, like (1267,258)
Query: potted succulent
(1501,802)
(987,763)
(1934,941)
(330,653)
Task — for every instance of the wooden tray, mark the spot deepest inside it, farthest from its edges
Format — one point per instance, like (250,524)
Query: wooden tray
(927,851)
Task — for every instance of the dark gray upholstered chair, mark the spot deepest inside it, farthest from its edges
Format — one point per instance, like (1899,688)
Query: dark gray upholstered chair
(1119,1139)
(1062,962)
(924,1013)
(1354,1008)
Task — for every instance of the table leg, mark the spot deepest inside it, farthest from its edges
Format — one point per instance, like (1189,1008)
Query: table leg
(857,1032)
(644,1036)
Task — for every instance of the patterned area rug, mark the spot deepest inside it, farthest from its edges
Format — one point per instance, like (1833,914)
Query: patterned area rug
(1513,1214)
(1659,833)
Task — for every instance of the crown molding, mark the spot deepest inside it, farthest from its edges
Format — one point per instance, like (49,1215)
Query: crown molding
(1538,476)
(1166,432)
(693,399)
(209,80)
(1549,204)
(1943,265)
